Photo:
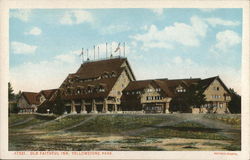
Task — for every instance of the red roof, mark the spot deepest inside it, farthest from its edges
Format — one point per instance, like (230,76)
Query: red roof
(168,86)
(97,68)
(104,73)
(31,97)
(47,93)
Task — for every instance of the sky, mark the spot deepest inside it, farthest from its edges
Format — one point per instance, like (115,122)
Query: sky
(174,43)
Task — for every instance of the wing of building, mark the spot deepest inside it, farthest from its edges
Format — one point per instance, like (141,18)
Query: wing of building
(30,102)
(96,86)
(164,95)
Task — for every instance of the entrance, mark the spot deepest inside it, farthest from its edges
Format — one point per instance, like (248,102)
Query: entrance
(88,108)
(78,109)
(99,108)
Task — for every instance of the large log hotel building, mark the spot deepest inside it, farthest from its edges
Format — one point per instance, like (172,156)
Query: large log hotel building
(110,86)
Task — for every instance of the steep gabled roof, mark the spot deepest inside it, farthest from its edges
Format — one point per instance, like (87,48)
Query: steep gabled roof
(205,83)
(94,69)
(168,86)
(138,85)
(47,93)
(31,97)
(93,73)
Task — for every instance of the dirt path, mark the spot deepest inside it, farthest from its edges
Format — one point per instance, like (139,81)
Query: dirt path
(19,123)
(78,124)
(44,123)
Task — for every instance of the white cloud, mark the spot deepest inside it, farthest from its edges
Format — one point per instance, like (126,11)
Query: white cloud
(112,29)
(225,40)
(34,31)
(179,68)
(217,21)
(178,33)
(40,75)
(22,48)
(22,14)
(157,11)
(76,17)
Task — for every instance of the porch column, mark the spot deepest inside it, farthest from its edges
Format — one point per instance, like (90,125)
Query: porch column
(93,106)
(73,107)
(143,108)
(167,107)
(83,107)
(105,106)
(115,107)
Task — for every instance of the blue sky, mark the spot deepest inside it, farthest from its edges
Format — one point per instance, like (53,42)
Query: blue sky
(160,43)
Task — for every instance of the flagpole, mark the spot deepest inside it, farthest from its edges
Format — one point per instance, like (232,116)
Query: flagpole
(98,52)
(106,50)
(94,52)
(111,50)
(87,54)
(124,48)
(119,52)
(82,56)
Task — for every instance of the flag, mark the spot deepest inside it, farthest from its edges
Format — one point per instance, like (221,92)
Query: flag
(118,48)
(81,54)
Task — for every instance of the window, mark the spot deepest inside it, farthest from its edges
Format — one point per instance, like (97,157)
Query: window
(157,89)
(119,92)
(78,91)
(218,88)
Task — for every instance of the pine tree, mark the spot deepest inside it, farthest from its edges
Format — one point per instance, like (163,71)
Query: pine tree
(235,104)
(11,92)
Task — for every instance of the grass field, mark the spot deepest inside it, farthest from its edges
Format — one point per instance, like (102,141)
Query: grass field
(119,132)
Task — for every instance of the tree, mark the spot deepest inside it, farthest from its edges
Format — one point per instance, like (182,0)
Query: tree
(234,105)
(58,106)
(11,92)
(185,101)
(13,108)
(194,97)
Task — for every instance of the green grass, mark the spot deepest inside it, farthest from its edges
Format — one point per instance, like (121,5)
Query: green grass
(185,130)
(43,136)
(15,118)
(63,123)
(26,120)
(118,123)
(231,119)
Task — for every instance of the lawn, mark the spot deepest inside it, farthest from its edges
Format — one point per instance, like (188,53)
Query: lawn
(119,132)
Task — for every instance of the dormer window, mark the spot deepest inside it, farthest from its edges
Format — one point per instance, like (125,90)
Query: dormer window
(113,74)
(157,89)
(180,89)
(105,75)
(78,91)
(89,89)
(101,89)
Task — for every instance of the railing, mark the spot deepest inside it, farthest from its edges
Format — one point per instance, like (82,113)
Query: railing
(100,59)
(133,112)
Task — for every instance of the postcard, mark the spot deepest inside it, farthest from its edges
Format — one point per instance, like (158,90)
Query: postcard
(124,80)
